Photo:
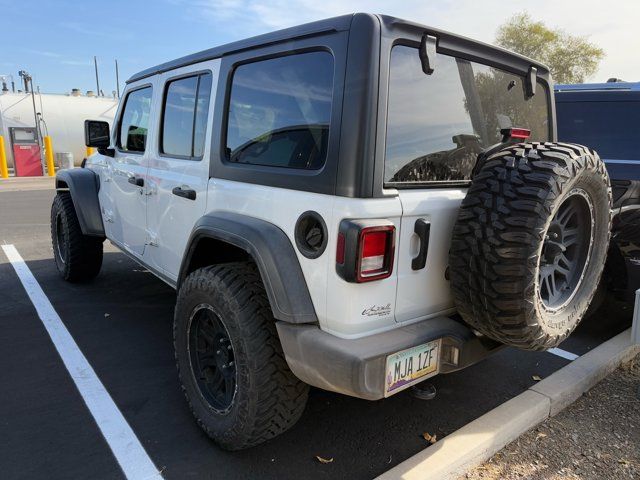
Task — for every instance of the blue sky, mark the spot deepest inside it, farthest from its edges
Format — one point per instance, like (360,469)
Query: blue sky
(56,40)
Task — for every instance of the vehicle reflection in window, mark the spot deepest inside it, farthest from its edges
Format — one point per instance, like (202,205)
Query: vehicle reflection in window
(136,138)
(454,164)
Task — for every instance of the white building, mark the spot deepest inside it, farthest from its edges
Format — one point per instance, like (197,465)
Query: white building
(63,116)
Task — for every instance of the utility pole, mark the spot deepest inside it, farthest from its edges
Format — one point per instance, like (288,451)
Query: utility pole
(95,62)
(117,80)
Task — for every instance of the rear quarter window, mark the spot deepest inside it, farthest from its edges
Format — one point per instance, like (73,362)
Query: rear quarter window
(279,111)
(438,124)
(184,116)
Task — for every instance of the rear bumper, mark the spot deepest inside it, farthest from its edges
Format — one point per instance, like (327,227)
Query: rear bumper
(357,367)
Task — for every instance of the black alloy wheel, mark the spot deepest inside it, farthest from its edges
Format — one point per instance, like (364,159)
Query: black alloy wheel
(566,250)
(60,240)
(212,358)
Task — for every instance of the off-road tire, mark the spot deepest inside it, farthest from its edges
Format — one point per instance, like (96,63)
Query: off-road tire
(78,257)
(268,399)
(498,239)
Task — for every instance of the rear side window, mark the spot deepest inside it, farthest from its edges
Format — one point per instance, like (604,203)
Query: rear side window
(134,123)
(279,111)
(610,128)
(184,116)
(438,124)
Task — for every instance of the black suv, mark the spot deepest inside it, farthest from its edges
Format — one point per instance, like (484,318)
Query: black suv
(606,116)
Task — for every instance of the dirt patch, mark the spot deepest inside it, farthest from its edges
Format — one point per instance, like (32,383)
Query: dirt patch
(598,437)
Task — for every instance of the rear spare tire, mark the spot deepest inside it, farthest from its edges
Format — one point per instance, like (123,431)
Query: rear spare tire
(530,243)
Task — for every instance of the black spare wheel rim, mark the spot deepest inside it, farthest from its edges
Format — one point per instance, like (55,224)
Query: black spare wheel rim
(60,242)
(566,250)
(212,358)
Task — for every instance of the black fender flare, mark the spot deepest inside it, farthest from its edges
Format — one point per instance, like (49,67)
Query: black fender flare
(83,185)
(273,253)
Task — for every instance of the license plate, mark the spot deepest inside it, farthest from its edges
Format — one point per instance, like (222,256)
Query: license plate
(410,366)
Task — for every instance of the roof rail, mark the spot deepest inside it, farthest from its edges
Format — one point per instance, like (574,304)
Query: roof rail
(609,85)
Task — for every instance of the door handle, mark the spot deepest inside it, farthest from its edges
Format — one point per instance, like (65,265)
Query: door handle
(185,192)
(422,228)
(137,181)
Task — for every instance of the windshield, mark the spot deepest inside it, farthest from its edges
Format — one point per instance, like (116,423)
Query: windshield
(438,124)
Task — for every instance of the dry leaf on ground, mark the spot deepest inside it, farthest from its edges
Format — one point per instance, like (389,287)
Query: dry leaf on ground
(324,460)
(429,438)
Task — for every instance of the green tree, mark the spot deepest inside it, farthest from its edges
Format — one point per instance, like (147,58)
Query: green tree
(571,58)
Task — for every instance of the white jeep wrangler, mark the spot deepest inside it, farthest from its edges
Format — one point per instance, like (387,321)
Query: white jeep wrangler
(343,204)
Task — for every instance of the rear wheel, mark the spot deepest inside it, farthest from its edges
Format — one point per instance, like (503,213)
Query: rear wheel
(530,243)
(229,358)
(78,257)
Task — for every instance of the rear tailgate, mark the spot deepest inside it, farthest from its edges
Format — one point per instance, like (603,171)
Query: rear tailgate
(436,126)
(425,291)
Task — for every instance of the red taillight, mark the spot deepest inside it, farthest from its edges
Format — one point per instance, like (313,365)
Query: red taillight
(517,133)
(365,249)
(375,253)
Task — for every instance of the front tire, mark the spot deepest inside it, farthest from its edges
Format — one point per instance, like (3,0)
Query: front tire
(78,257)
(230,362)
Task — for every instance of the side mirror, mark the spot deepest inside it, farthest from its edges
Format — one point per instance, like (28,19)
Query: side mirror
(96,134)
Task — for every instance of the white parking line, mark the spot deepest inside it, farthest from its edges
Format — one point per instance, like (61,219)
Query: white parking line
(563,353)
(130,454)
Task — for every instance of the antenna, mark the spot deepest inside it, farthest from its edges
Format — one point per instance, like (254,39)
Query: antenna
(95,63)
(117,80)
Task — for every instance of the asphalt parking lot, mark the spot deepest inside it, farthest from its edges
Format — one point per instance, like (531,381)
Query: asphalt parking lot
(122,324)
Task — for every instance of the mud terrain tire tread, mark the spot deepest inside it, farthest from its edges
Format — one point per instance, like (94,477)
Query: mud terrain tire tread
(498,235)
(269,399)
(83,254)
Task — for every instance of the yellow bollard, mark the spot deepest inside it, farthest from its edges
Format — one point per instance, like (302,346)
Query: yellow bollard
(48,155)
(89,151)
(4,170)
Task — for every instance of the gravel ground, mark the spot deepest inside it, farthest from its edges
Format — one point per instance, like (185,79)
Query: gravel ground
(598,437)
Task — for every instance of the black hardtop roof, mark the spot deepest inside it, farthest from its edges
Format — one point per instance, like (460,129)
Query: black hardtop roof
(335,24)
(331,24)
(598,92)
(389,22)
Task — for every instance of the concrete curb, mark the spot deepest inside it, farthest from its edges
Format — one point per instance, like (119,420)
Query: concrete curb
(477,441)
